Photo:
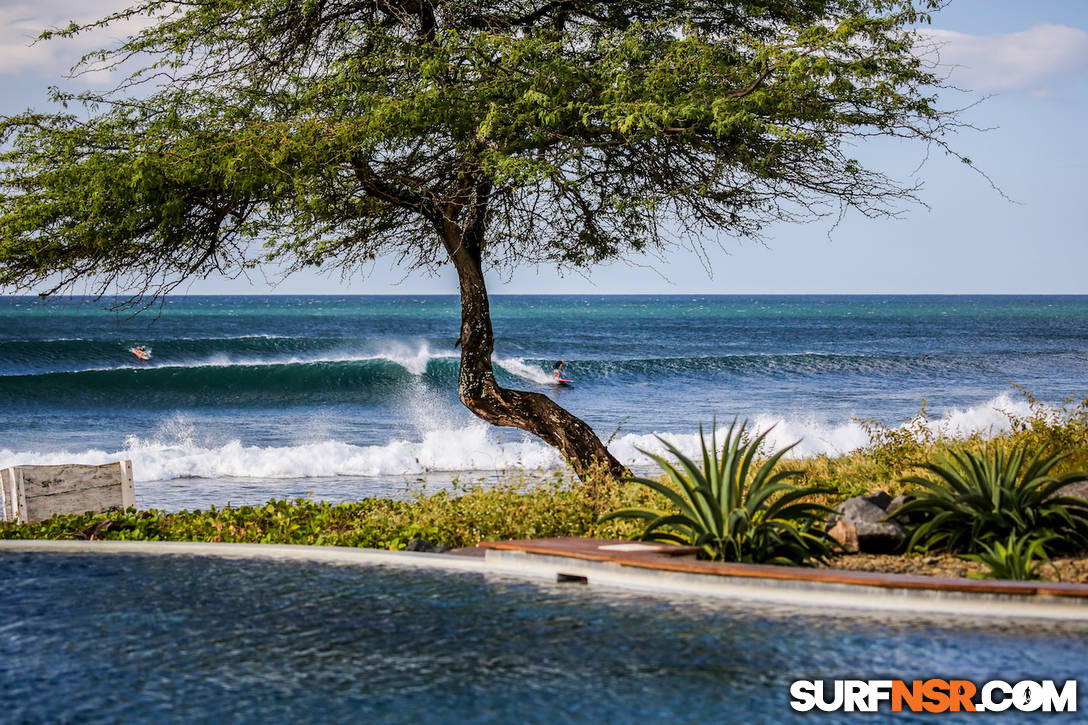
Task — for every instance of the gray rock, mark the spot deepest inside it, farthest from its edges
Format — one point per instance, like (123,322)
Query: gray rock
(897,503)
(883,537)
(879,498)
(867,516)
(856,510)
(1077,489)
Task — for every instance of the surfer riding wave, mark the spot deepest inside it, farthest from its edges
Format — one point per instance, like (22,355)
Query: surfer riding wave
(557,374)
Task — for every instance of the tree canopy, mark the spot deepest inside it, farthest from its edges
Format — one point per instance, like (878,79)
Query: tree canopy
(477,133)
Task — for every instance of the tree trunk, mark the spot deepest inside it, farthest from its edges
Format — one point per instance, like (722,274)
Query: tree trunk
(480,392)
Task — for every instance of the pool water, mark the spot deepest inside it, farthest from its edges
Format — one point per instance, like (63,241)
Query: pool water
(138,639)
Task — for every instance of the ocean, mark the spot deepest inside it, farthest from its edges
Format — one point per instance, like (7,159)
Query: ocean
(247,398)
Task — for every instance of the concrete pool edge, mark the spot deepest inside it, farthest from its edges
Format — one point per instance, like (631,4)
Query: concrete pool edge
(275,552)
(651,573)
(666,568)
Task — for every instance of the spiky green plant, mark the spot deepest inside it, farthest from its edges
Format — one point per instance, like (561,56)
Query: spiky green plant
(975,498)
(734,509)
(1017,560)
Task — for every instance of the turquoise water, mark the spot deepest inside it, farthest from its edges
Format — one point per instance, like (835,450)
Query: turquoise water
(246,398)
(133,639)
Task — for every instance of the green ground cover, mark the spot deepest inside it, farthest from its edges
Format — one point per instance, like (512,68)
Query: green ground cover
(523,507)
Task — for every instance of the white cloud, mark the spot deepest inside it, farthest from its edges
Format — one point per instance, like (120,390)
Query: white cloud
(1021,61)
(21,22)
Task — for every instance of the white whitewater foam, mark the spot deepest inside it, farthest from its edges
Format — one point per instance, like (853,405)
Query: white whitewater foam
(412,357)
(815,438)
(455,443)
(518,366)
(471,448)
(414,361)
(989,418)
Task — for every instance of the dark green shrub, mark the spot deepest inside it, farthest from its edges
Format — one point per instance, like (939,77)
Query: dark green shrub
(977,498)
(733,509)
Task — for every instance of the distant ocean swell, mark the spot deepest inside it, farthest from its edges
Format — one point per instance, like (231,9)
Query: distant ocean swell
(177,453)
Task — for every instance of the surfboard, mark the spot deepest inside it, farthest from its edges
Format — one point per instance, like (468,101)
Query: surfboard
(562,383)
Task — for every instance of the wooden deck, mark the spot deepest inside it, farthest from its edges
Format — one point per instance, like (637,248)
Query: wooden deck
(682,559)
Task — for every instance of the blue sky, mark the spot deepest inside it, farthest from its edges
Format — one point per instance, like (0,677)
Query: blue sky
(1029,58)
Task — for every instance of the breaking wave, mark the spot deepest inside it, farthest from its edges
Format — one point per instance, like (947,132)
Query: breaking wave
(177,453)
(249,380)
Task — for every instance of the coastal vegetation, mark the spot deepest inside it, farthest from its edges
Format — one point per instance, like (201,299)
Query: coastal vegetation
(477,136)
(523,507)
(526,506)
(1017,559)
(736,507)
(971,499)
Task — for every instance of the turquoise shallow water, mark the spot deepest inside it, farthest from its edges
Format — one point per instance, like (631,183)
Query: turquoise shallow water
(193,640)
(251,397)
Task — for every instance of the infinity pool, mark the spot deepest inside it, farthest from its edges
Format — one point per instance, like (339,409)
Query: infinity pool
(135,639)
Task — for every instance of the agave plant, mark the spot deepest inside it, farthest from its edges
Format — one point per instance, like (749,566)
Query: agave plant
(733,508)
(976,498)
(1018,559)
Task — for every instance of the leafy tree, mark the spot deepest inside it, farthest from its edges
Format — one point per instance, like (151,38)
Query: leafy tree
(480,134)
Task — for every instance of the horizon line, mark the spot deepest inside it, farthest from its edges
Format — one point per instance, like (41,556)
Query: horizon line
(558,294)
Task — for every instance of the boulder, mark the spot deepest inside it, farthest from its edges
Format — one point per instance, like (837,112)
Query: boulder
(856,510)
(847,536)
(897,503)
(879,498)
(866,515)
(883,537)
